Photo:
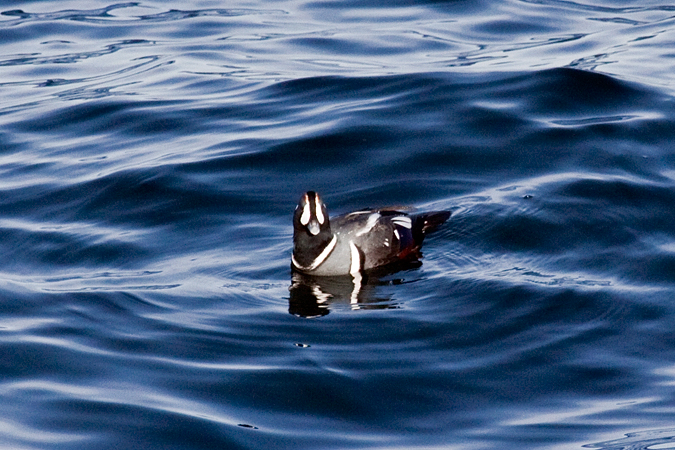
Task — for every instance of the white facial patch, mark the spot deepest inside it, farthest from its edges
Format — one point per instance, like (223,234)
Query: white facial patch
(319,213)
(314,228)
(306,213)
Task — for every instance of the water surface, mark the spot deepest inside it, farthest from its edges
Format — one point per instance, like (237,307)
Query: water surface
(151,157)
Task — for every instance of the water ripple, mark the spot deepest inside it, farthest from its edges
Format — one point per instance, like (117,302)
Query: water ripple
(643,440)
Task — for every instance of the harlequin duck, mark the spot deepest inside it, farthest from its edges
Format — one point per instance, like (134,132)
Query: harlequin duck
(358,241)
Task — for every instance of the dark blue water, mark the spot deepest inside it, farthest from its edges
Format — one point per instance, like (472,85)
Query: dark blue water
(151,156)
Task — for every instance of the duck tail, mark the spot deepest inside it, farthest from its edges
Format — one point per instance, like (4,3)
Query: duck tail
(426,223)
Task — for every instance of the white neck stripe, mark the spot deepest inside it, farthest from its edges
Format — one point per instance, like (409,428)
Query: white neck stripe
(319,259)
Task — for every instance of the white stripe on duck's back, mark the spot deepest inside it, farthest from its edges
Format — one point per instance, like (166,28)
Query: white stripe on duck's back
(372,220)
(403,221)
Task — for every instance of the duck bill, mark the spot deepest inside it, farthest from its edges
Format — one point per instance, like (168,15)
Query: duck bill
(313,227)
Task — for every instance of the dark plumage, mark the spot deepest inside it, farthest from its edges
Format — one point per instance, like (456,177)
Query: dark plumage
(358,241)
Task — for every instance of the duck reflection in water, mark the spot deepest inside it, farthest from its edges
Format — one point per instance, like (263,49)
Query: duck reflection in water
(313,296)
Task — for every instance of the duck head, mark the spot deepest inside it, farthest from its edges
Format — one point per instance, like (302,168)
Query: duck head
(312,236)
(311,216)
